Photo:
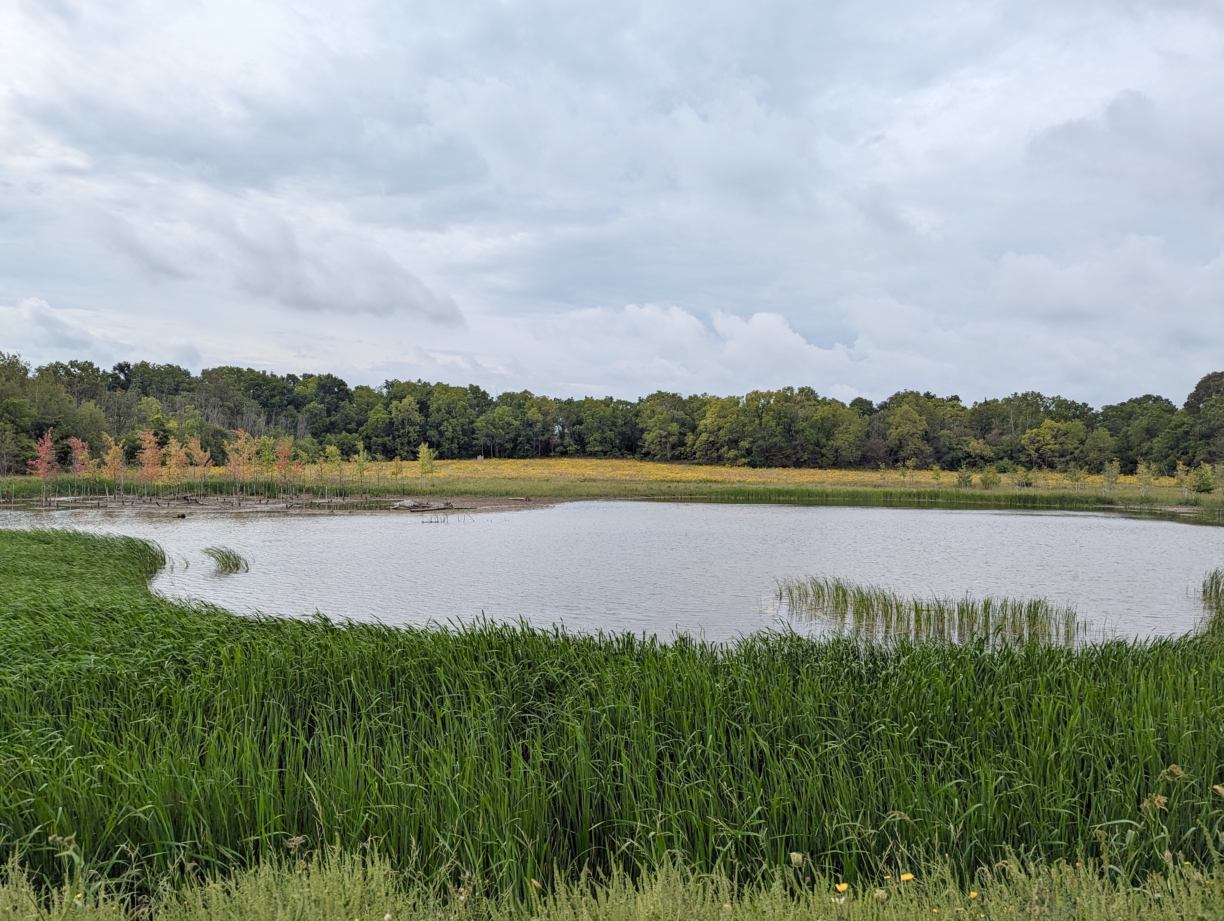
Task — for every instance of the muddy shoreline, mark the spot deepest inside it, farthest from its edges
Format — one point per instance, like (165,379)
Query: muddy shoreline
(181,506)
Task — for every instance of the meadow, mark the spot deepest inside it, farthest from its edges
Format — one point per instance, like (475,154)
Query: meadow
(160,745)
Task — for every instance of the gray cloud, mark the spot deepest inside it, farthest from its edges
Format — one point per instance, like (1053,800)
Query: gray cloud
(860,197)
(331,272)
(33,322)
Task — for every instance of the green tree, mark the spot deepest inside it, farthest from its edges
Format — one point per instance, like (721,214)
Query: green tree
(724,435)
(498,428)
(1054,445)
(1098,450)
(425,459)
(451,421)
(376,432)
(1134,425)
(1202,480)
(407,424)
(1109,477)
(907,436)
(665,425)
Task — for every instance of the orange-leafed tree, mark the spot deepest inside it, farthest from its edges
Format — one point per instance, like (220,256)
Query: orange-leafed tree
(149,456)
(175,455)
(44,463)
(112,461)
(201,460)
(283,463)
(243,455)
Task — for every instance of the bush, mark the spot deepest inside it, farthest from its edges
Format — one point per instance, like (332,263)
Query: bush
(1202,479)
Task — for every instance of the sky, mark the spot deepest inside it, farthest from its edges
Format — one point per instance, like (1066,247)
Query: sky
(620,197)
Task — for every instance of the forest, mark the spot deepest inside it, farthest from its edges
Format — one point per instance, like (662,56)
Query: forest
(80,403)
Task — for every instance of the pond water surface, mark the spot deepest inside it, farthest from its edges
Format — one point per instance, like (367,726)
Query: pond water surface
(664,568)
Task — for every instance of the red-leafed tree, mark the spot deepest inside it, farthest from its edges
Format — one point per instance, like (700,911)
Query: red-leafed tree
(44,462)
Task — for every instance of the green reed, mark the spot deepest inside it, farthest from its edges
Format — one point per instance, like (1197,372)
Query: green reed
(228,561)
(1212,595)
(877,614)
(914,497)
(165,736)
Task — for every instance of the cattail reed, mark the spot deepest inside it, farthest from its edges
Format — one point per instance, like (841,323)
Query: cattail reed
(873,613)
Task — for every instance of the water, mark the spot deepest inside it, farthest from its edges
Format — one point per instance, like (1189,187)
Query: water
(662,567)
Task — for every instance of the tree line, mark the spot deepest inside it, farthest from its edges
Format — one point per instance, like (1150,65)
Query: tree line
(123,409)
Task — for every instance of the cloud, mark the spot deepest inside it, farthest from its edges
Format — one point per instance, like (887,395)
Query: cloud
(859,198)
(122,237)
(34,325)
(265,255)
(325,272)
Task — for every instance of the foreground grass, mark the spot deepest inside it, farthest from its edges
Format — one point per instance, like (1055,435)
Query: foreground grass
(168,740)
(364,886)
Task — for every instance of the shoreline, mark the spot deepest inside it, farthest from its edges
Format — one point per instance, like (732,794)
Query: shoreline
(468,503)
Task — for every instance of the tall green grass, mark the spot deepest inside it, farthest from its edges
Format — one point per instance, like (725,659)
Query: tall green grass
(228,561)
(1209,511)
(1212,595)
(909,498)
(165,736)
(878,614)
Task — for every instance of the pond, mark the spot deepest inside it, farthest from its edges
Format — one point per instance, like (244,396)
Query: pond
(662,568)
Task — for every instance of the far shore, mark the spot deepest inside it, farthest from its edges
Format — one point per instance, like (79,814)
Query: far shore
(496,485)
(505,485)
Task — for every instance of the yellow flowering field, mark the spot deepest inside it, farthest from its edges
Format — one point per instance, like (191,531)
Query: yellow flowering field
(629,470)
(627,476)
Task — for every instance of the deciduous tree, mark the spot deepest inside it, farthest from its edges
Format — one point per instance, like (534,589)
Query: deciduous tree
(44,463)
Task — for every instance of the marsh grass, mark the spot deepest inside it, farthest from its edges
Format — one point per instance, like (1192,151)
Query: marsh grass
(176,739)
(873,613)
(228,561)
(1212,595)
(366,885)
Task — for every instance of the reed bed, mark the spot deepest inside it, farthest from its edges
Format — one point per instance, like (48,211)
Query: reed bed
(927,496)
(171,739)
(1212,596)
(228,561)
(873,613)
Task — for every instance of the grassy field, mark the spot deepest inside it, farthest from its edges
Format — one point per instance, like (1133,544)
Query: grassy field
(167,740)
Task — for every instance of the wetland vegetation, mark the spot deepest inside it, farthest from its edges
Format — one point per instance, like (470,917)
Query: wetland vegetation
(159,743)
(150,428)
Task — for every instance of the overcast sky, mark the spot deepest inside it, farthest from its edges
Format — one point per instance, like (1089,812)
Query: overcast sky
(619,197)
